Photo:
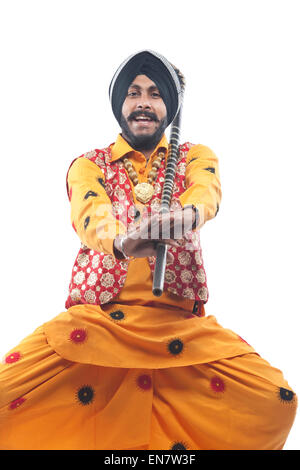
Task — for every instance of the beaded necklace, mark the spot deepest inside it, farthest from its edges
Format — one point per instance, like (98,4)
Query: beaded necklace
(144,191)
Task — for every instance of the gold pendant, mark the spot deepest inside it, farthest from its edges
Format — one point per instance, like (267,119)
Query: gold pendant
(144,192)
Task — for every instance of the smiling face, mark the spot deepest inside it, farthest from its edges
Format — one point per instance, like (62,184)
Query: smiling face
(144,114)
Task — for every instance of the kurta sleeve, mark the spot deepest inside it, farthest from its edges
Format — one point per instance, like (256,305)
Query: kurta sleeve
(91,209)
(202,181)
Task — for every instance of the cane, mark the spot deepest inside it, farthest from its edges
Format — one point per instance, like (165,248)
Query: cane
(173,154)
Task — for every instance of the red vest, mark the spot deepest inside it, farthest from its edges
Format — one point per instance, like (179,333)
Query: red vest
(97,277)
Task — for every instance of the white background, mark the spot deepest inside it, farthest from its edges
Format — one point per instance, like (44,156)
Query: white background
(241,62)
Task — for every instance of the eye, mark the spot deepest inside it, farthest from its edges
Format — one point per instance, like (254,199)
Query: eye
(132,93)
(156,94)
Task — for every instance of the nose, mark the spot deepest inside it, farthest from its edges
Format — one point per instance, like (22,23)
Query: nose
(143,103)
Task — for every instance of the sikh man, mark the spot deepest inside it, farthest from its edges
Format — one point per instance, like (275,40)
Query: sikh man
(121,368)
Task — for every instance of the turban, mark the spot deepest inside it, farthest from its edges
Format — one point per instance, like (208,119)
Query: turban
(158,69)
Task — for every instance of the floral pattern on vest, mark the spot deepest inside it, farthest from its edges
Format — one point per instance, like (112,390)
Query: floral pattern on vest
(98,277)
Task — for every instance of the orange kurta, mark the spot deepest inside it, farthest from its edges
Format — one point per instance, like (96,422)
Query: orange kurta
(141,372)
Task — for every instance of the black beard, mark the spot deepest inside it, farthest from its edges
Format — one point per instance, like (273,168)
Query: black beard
(143,142)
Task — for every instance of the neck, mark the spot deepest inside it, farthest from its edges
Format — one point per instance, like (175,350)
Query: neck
(147,153)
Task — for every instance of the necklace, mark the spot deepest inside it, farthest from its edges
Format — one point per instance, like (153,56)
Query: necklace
(144,191)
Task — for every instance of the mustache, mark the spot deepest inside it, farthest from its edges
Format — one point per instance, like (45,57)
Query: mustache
(148,114)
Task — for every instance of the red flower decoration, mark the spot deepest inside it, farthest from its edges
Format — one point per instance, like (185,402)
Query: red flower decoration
(16,403)
(78,336)
(144,382)
(217,384)
(13,357)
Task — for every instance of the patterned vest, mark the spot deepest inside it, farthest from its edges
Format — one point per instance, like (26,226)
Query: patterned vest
(97,277)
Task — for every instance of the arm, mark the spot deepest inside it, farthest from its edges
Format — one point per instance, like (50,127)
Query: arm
(91,210)
(202,182)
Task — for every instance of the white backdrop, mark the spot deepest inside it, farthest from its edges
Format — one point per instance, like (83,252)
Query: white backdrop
(241,62)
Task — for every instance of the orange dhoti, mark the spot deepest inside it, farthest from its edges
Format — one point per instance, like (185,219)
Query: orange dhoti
(140,377)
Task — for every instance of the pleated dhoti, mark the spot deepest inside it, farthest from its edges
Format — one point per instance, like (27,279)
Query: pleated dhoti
(140,377)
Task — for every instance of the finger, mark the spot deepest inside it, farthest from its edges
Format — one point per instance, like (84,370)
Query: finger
(173,243)
(169,242)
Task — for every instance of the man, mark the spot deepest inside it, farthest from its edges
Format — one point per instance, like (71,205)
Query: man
(121,368)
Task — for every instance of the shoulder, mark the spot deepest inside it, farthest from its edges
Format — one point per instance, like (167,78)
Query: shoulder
(196,148)
(87,164)
(91,159)
(198,151)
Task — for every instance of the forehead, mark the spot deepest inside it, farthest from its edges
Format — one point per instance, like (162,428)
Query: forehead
(142,81)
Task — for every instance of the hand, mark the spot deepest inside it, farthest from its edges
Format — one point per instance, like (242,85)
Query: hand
(168,228)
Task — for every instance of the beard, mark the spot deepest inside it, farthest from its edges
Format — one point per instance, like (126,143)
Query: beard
(143,142)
